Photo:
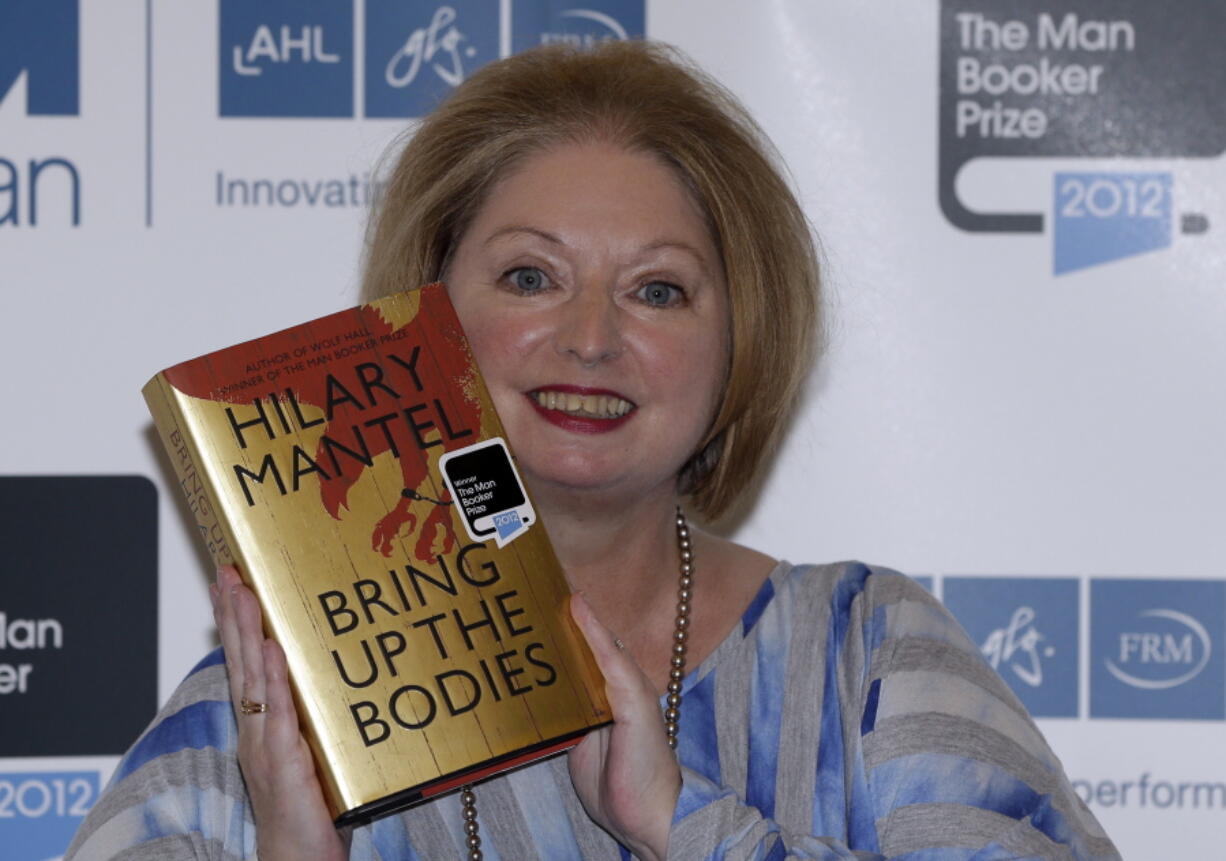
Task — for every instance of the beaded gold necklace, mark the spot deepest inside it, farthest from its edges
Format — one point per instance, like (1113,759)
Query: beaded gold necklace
(676,672)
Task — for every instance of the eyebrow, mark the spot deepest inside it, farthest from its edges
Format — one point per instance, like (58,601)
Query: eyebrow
(555,240)
(516,228)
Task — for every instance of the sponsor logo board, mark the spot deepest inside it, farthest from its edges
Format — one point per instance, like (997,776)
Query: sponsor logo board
(78,614)
(1156,649)
(1069,79)
(296,58)
(286,58)
(40,54)
(417,53)
(39,42)
(1027,629)
(40,811)
(579,24)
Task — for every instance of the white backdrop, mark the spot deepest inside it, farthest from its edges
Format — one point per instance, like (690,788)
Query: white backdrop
(975,414)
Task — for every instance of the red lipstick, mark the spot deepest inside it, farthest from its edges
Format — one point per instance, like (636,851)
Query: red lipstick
(579,424)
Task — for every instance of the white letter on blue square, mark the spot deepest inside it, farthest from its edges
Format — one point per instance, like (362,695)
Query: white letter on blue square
(418,52)
(1027,629)
(1156,649)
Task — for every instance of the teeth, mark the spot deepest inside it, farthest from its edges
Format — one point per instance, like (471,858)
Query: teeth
(587,406)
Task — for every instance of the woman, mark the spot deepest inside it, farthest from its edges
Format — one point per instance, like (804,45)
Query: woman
(638,285)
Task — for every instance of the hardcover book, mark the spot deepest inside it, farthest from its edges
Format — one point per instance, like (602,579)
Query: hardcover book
(354,470)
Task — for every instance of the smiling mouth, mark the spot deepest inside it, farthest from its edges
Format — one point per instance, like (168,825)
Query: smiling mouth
(583,405)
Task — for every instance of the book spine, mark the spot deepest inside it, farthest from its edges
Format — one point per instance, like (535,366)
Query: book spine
(197,484)
(181,443)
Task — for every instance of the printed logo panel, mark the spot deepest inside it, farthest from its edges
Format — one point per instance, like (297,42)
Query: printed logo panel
(78,614)
(1027,628)
(1156,649)
(1101,217)
(40,38)
(295,58)
(580,24)
(286,58)
(417,53)
(40,811)
(1073,79)
(40,46)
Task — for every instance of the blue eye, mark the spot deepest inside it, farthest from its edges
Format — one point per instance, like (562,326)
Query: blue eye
(661,294)
(527,279)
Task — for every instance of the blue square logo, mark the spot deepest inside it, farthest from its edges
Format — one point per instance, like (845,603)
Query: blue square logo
(543,22)
(418,52)
(1156,649)
(42,39)
(1027,628)
(286,58)
(1100,217)
(43,810)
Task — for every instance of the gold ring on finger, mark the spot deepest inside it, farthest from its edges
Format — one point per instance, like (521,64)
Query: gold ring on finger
(251,707)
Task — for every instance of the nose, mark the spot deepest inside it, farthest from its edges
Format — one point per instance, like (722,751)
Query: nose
(590,328)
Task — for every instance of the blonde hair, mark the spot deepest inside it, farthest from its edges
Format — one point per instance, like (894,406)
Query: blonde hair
(645,97)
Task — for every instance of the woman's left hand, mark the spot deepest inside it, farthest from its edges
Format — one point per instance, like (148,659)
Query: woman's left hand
(625,774)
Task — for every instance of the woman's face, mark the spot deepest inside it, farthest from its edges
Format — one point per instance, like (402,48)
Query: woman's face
(594,298)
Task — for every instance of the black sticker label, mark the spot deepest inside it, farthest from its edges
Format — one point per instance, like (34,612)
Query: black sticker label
(483,481)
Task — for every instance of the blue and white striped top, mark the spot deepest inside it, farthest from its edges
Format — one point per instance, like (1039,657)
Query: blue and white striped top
(846,716)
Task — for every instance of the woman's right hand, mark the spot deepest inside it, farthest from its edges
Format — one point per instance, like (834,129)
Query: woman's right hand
(292,820)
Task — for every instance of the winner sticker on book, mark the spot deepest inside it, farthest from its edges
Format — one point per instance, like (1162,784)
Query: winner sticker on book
(483,480)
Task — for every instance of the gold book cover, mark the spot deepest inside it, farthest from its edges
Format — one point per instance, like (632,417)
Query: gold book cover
(354,470)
